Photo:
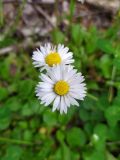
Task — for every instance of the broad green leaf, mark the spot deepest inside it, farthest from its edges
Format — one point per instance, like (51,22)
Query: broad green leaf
(27,135)
(13,104)
(26,88)
(13,153)
(99,137)
(26,110)
(94,155)
(35,106)
(50,118)
(112,115)
(84,114)
(76,137)
(5,117)
(75,155)
(65,152)
(114,132)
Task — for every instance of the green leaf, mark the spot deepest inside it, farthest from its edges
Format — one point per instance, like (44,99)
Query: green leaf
(94,155)
(3,93)
(7,41)
(4,70)
(58,154)
(72,10)
(116,63)
(65,118)
(26,110)
(5,117)
(27,135)
(99,137)
(110,156)
(58,36)
(60,136)
(84,114)
(75,155)
(114,132)
(13,104)
(105,66)
(76,137)
(91,38)
(88,127)
(34,123)
(105,46)
(13,153)
(23,124)
(50,118)
(26,88)
(65,152)
(45,149)
(35,106)
(32,107)
(77,34)
(112,115)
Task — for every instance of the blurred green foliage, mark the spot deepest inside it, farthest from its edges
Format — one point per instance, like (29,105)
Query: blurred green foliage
(28,130)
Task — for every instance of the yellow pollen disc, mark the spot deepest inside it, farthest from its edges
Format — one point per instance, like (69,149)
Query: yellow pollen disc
(53,58)
(61,88)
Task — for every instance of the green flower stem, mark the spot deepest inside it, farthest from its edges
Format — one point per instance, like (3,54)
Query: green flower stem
(110,96)
(111,143)
(1,13)
(92,97)
(16,141)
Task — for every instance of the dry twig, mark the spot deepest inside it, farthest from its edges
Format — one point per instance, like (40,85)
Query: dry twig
(30,1)
(44,14)
(15,48)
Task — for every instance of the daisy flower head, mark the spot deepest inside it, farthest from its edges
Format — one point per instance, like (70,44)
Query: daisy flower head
(62,86)
(49,55)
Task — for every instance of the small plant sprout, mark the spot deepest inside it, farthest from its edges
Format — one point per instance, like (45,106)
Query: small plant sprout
(49,55)
(62,86)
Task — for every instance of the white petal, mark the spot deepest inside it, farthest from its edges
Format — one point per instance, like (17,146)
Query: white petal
(46,97)
(43,50)
(56,103)
(67,100)
(63,107)
(50,99)
(46,78)
(73,101)
(45,85)
(77,96)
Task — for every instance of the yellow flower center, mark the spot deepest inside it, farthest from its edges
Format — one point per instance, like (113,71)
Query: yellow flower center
(53,58)
(61,88)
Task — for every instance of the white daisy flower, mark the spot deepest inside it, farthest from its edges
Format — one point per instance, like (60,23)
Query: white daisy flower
(49,55)
(61,86)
